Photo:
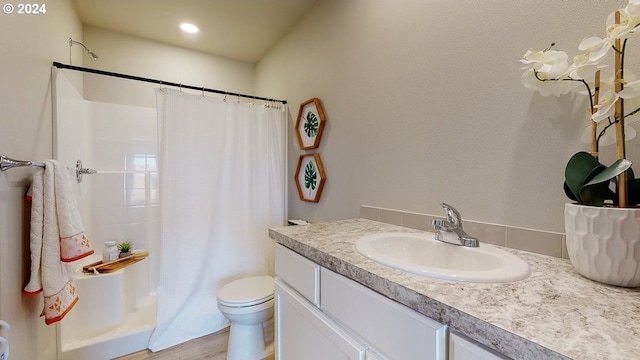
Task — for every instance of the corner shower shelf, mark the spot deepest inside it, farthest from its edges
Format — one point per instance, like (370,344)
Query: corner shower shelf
(114,265)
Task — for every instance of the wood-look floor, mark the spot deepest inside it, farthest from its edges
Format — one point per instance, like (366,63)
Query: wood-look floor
(210,347)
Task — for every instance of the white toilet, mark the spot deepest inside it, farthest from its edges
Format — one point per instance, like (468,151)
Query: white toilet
(247,303)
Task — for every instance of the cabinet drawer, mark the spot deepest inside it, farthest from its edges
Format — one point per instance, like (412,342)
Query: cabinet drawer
(299,273)
(370,355)
(390,328)
(463,348)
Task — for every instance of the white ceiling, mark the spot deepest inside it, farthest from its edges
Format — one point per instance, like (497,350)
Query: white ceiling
(238,29)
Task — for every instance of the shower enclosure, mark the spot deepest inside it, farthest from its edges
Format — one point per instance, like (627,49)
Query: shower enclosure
(116,312)
(223,183)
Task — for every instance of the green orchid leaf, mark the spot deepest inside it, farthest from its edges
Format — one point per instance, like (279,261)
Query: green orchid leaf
(581,168)
(596,191)
(568,192)
(611,172)
(597,194)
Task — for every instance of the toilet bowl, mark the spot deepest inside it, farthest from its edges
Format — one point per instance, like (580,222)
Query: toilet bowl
(247,303)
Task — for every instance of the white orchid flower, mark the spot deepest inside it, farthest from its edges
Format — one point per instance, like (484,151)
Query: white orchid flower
(606,106)
(609,137)
(595,48)
(629,20)
(631,90)
(549,73)
(545,67)
(633,9)
(583,67)
(549,64)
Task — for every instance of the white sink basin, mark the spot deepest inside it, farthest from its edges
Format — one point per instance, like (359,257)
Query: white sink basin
(421,254)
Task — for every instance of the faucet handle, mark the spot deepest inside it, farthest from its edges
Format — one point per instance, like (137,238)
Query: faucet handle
(440,226)
(453,215)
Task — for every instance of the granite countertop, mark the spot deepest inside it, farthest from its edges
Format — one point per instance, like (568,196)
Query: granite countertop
(553,314)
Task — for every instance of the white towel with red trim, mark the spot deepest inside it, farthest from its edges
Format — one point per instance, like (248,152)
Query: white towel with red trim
(57,236)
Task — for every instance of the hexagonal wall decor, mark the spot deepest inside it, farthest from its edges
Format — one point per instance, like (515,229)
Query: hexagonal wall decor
(309,124)
(310,177)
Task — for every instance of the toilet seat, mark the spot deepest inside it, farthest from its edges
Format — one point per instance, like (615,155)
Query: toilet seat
(247,292)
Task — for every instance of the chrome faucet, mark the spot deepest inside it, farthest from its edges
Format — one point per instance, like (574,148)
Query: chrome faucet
(453,224)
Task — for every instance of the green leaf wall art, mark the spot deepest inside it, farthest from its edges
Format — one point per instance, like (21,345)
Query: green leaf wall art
(309,124)
(310,177)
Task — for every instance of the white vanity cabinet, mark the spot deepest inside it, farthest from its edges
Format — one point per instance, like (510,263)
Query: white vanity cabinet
(302,330)
(463,348)
(323,315)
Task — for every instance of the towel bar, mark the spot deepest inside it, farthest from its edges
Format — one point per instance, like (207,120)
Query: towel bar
(7,163)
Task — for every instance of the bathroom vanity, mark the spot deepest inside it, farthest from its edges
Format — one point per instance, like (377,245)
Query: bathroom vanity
(323,315)
(333,303)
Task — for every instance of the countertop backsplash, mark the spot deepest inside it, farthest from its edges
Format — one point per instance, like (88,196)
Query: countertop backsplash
(535,241)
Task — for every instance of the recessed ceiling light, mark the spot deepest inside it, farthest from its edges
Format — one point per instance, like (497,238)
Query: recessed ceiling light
(190,28)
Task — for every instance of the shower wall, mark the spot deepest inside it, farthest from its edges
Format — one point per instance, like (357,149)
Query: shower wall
(120,203)
(125,200)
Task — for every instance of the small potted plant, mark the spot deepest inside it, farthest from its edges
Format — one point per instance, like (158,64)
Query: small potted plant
(124,248)
(602,223)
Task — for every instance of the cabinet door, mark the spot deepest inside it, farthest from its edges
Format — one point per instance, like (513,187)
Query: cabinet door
(303,332)
(461,348)
(388,327)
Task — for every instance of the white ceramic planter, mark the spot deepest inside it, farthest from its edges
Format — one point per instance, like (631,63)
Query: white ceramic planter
(604,243)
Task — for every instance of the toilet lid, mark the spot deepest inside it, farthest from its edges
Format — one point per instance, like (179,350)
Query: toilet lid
(247,291)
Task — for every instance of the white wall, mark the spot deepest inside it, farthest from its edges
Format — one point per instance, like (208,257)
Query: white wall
(29,43)
(139,57)
(424,104)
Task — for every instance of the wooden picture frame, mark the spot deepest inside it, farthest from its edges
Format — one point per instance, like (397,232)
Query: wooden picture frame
(310,177)
(309,124)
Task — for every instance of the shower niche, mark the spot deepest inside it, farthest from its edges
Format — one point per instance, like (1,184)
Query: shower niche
(116,312)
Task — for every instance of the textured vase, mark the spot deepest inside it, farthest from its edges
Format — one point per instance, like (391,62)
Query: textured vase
(604,243)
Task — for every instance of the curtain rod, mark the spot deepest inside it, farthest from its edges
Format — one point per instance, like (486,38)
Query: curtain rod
(160,82)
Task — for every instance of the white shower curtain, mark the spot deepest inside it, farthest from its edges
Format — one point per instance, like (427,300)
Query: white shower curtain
(222,185)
